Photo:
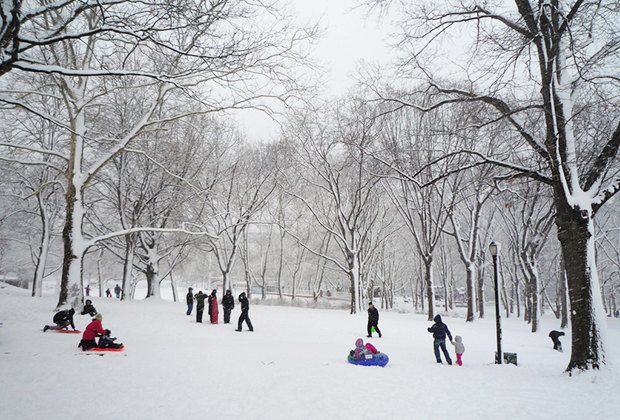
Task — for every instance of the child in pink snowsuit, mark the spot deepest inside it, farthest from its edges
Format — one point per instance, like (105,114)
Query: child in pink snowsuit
(361,349)
(459,348)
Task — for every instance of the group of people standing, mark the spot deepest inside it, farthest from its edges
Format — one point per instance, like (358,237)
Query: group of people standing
(228,304)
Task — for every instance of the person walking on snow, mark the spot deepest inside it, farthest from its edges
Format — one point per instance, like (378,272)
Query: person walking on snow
(373,320)
(200,305)
(228,302)
(440,330)
(459,349)
(245,308)
(117,291)
(189,298)
(88,290)
(108,293)
(214,311)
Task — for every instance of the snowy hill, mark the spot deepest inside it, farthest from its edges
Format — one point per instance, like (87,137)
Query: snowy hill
(292,367)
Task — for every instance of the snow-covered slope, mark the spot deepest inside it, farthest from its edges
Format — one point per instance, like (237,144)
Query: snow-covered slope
(292,367)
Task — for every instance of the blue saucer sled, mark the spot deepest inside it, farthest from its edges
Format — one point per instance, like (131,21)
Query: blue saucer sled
(379,359)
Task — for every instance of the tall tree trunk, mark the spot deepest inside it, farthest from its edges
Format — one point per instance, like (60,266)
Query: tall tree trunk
(469,285)
(71,290)
(481,301)
(152,279)
(428,281)
(39,271)
(280,264)
(586,314)
(130,248)
(563,297)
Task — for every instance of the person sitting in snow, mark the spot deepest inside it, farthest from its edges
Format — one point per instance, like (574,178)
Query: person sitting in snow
(361,349)
(459,349)
(62,319)
(440,330)
(94,330)
(89,308)
(555,337)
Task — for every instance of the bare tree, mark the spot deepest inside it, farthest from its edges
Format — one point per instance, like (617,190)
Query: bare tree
(184,52)
(545,52)
(344,203)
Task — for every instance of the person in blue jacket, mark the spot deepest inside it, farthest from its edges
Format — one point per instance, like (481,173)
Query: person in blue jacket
(440,330)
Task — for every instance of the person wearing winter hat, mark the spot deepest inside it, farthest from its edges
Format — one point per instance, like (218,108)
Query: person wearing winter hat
(95,329)
(439,331)
(360,350)
(89,308)
(459,349)
(373,320)
(200,305)
(245,309)
(62,319)
(228,302)
(189,299)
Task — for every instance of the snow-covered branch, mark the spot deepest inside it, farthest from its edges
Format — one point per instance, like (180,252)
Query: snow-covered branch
(185,229)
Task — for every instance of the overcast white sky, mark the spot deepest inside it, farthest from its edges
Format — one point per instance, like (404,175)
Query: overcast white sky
(348,38)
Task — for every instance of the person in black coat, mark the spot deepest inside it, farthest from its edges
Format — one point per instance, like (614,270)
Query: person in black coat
(245,308)
(440,330)
(228,302)
(555,337)
(189,299)
(62,319)
(373,320)
(89,308)
(200,305)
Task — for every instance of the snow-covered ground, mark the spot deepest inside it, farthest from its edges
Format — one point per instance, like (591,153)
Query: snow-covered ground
(292,367)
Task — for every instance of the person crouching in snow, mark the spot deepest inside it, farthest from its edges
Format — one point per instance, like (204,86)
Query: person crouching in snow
(555,337)
(94,330)
(459,349)
(62,319)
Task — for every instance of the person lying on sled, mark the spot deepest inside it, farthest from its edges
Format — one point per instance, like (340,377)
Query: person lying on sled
(94,330)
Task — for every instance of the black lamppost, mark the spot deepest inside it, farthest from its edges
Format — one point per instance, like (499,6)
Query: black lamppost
(494,248)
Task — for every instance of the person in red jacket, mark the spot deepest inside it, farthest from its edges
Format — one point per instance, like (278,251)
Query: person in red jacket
(214,311)
(94,330)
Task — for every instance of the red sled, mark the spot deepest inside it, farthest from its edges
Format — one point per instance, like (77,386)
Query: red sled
(97,349)
(67,331)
